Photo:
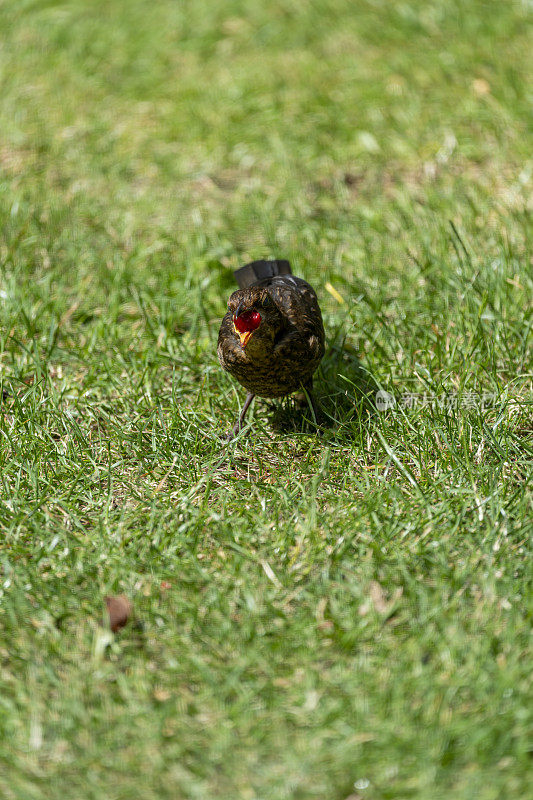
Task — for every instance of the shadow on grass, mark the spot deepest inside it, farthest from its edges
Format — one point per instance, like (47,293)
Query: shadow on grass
(345,392)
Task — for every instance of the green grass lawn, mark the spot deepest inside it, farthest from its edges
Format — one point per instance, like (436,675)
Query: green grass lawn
(315,617)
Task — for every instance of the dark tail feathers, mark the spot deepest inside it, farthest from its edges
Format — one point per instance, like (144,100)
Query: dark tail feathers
(259,270)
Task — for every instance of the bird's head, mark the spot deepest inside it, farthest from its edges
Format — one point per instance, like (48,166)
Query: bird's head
(256,320)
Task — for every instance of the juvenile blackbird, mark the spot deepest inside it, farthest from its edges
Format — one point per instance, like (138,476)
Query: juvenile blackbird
(272,337)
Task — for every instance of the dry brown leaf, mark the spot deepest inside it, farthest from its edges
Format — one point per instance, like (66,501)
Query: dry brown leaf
(119,610)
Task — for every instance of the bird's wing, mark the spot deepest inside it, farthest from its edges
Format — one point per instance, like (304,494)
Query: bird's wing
(300,348)
(298,303)
(304,335)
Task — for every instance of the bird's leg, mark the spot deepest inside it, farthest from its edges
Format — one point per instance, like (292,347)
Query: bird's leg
(238,425)
(311,399)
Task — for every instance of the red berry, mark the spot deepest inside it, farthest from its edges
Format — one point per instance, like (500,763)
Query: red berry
(248,321)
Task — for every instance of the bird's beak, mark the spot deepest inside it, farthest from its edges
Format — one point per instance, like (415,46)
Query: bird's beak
(243,337)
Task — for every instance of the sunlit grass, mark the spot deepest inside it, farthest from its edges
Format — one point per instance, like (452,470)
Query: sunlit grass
(333,616)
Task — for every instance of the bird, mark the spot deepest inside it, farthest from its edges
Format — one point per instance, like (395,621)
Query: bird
(272,336)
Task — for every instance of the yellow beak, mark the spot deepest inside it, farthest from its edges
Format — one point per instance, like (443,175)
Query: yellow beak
(243,337)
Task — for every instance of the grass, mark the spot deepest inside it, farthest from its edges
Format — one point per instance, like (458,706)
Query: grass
(345,615)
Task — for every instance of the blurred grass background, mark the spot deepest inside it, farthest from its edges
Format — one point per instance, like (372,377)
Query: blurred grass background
(334,617)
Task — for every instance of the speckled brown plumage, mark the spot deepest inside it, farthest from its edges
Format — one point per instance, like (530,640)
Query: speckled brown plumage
(281,355)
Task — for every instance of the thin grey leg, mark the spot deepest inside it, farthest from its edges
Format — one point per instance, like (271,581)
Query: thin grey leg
(238,425)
